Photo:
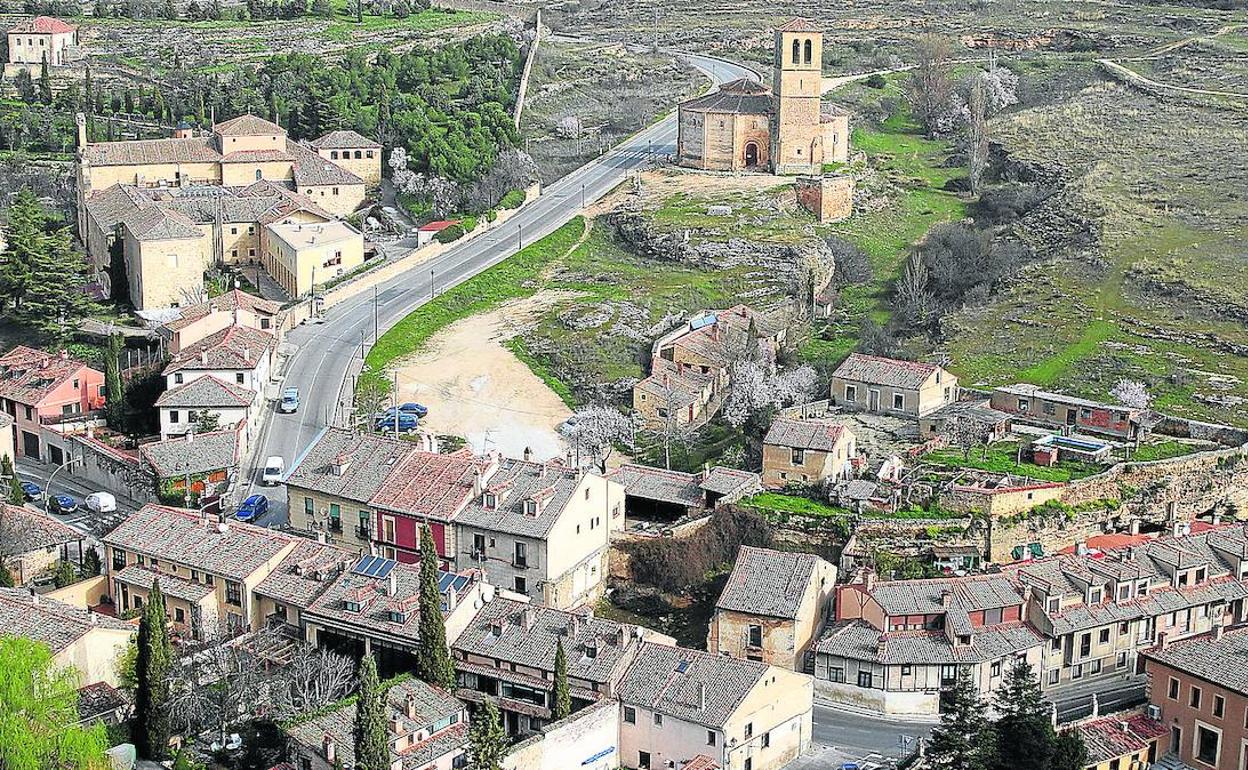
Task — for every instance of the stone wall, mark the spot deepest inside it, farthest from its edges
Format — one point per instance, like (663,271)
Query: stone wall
(830,198)
(585,739)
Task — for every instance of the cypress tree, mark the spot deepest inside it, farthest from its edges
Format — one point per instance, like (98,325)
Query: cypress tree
(16,495)
(562,701)
(45,82)
(6,577)
(433,657)
(151,697)
(962,740)
(1026,739)
(487,743)
(114,392)
(372,750)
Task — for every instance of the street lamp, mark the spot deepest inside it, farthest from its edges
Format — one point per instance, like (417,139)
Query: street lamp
(520,235)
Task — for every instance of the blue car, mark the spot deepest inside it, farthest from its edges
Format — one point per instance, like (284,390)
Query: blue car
(33,491)
(411,407)
(64,504)
(253,508)
(406,422)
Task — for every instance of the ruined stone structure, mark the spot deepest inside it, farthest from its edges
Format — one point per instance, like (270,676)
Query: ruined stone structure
(785,128)
(830,198)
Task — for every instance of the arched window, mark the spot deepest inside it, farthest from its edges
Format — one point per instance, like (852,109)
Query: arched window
(258,175)
(797,51)
(808,50)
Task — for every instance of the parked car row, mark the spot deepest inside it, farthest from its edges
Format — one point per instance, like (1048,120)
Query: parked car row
(96,502)
(404,418)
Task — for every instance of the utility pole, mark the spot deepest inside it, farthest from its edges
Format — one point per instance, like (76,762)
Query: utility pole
(312,298)
(432,293)
(374,315)
(394,401)
(519,236)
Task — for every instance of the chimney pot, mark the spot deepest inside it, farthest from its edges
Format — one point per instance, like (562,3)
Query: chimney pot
(328,748)
(528,454)
(410,707)
(1217,631)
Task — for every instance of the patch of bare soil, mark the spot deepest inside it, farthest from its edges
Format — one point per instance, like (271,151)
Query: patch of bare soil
(476,388)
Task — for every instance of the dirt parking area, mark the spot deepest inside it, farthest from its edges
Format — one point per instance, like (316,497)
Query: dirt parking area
(476,388)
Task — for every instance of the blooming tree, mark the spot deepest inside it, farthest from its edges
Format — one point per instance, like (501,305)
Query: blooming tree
(1132,393)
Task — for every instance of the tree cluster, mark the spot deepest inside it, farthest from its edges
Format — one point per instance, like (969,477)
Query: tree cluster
(1022,736)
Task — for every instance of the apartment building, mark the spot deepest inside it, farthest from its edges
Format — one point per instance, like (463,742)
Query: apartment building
(679,704)
(40,389)
(773,607)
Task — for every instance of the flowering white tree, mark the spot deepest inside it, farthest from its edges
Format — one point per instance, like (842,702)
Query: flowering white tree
(1000,89)
(596,430)
(1132,393)
(756,390)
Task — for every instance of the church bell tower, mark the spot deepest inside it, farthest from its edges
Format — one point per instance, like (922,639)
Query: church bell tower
(796,135)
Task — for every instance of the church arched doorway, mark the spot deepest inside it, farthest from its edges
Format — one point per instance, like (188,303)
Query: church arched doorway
(751,154)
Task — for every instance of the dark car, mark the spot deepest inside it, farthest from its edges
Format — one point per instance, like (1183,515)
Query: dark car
(253,508)
(411,407)
(33,491)
(406,422)
(63,504)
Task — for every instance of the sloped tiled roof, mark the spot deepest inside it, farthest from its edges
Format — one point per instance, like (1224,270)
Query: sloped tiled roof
(43,25)
(193,453)
(306,573)
(920,597)
(160,223)
(23,530)
(312,169)
(227,302)
(767,582)
(339,140)
(206,392)
(234,348)
(689,685)
(233,550)
(675,385)
(818,435)
(551,485)
(377,598)
(54,623)
(247,125)
(659,484)
(197,149)
(365,460)
(171,585)
(1223,661)
(878,370)
(28,375)
(738,97)
(798,25)
(858,640)
(428,484)
(113,204)
(1118,736)
(730,481)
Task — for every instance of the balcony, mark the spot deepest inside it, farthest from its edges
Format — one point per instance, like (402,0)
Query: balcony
(335,525)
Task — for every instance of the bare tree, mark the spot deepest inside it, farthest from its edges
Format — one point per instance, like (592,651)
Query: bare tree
(914,297)
(214,687)
(977,134)
(930,86)
(1132,393)
(314,679)
(966,433)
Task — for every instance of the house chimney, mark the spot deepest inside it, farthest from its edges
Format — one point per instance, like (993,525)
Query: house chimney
(528,618)
(1163,640)
(868,580)
(701,696)
(1217,631)
(575,626)
(392,584)
(34,597)
(190,436)
(409,707)
(203,357)
(328,748)
(452,599)
(946,598)
(528,454)
(396,725)
(881,646)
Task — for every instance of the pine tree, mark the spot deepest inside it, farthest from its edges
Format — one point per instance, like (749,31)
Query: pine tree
(1026,739)
(24,239)
(56,301)
(372,749)
(433,657)
(1070,753)
(151,697)
(114,391)
(562,700)
(487,743)
(91,563)
(65,574)
(16,495)
(962,740)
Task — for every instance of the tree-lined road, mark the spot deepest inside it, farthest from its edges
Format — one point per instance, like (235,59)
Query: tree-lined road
(323,352)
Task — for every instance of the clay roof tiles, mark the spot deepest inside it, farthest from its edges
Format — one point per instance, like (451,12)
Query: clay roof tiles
(43,25)
(878,370)
(818,435)
(767,582)
(338,140)
(28,375)
(54,623)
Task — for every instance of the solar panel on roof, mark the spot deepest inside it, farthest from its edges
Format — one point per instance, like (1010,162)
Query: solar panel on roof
(682,667)
(383,567)
(374,566)
(365,563)
(698,323)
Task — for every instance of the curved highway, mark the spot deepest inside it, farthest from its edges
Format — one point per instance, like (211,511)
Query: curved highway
(323,352)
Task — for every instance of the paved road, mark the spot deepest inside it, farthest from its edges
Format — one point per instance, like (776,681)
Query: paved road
(323,352)
(869,741)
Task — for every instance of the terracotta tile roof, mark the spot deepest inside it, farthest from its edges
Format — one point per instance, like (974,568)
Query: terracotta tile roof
(349,465)
(430,704)
(27,375)
(878,370)
(306,573)
(674,385)
(818,435)
(247,125)
(767,582)
(198,149)
(43,25)
(99,700)
(233,550)
(227,302)
(798,25)
(858,640)
(206,392)
(193,453)
(338,140)
(172,585)
(427,484)
(701,762)
(689,685)
(1118,736)
(256,156)
(1223,661)
(515,483)
(161,223)
(54,623)
(659,484)
(234,348)
(23,530)
(528,635)
(312,169)
(108,207)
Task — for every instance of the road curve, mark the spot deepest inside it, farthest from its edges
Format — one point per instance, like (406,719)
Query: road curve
(323,353)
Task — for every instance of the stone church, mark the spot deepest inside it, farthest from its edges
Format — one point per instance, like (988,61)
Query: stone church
(784,128)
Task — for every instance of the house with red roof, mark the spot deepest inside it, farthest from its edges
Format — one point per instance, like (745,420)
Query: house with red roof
(39,389)
(43,38)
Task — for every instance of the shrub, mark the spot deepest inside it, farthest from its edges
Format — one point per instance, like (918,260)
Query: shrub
(449,234)
(513,200)
(468,223)
(673,565)
(876,81)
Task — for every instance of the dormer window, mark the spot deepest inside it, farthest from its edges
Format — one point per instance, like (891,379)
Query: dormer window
(1142,588)
(530,507)
(350,605)
(1096,595)
(1053,603)
(490,500)
(1200,575)
(396,616)
(496,629)
(1124,592)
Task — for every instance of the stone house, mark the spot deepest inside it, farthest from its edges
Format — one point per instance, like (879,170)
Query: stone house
(209,569)
(1031,404)
(1198,690)
(784,128)
(349,150)
(39,389)
(31,542)
(41,39)
(208,462)
(677,394)
(678,704)
(989,425)
(425,728)
(88,642)
(245,194)
(807,452)
(773,607)
(507,652)
(233,308)
(890,386)
(1122,741)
